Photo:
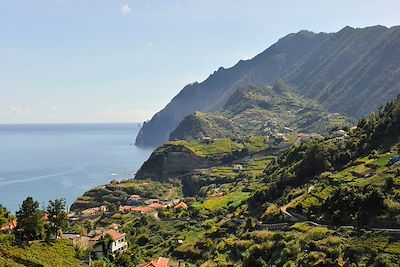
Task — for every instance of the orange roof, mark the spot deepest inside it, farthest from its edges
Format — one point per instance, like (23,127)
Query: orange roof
(10,226)
(146,209)
(156,206)
(219,194)
(125,208)
(114,235)
(160,262)
(181,205)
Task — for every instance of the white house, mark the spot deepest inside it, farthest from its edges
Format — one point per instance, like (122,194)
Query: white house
(110,242)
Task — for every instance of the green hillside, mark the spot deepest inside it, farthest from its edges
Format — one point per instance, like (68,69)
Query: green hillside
(259,110)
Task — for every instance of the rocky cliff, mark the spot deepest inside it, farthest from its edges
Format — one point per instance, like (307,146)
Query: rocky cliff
(172,161)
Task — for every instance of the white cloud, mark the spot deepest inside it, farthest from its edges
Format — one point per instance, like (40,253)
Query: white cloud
(16,110)
(207,58)
(150,44)
(125,9)
(54,108)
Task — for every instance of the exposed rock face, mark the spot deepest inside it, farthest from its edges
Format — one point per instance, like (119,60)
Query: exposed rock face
(171,161)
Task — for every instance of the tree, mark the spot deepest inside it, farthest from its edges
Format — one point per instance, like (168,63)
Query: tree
(57,215)
(29,220)
(88,225)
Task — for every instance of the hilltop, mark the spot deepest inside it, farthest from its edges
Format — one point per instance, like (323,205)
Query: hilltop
(260,110)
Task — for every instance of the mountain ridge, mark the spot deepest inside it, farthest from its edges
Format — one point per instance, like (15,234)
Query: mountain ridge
(327,69)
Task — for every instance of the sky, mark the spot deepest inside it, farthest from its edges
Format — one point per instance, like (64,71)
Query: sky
(68,61)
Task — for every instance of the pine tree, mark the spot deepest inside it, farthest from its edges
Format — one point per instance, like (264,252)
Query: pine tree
(29,220)
(57,215)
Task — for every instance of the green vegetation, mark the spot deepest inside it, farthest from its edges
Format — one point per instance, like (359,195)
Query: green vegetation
(259,110)
(116,193)
(217,146)
(58,253)
(233,199)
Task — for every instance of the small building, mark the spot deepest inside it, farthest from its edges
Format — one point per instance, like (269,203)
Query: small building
(206,140)
(237,168)
(134,199)
(71,214)
(287,129)
(160,262)
(216,194)
(280,137)
(181,205)
(10,226)
(114,226)
(152,201)
(125,209)
(143,209)
(340,133)
(109,243)
(156,206)
(93,211)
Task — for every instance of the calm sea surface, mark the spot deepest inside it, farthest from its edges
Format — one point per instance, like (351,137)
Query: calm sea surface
(64,160)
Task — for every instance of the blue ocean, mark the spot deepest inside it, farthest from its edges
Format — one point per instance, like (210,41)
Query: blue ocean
(48,161)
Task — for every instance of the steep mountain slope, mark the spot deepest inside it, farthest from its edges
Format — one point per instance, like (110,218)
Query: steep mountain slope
(211,94)
(333,58)
(353,71)
(259,110)
(372,82)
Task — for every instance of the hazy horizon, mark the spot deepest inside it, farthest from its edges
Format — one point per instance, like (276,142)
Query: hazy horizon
(122,61)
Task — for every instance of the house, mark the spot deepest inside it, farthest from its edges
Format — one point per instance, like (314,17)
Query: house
(206,140)
(9,227)
(340,133)
(237,168)
(110,242)
(160,262)
(143,209)
(93,211)
(217,194)
(152,201)
(304,137)
(134,199)
(280,137)
(114,226)
(125,209)
(71,215)
(156,206)
(181,205)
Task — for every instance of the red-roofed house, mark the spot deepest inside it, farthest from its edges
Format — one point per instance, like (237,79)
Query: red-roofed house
(160,262)
(10,226)
(145,209)
(181,205)
(116,243)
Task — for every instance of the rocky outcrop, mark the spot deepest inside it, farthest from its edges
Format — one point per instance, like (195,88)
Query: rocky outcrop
(172,161)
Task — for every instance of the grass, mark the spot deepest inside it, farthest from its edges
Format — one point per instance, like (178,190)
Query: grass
(217,146)
(214,204)
(253,144)
(59,253)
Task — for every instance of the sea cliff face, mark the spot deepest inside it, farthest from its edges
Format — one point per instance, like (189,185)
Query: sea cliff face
(172,161)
